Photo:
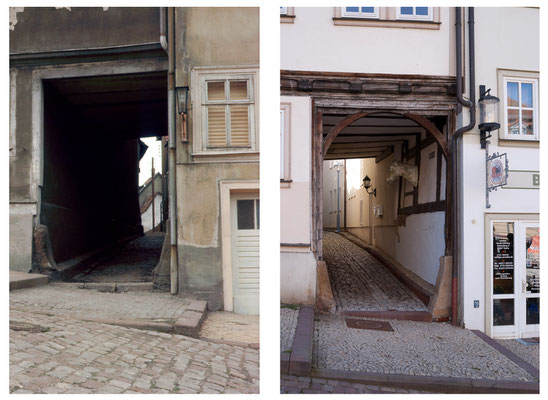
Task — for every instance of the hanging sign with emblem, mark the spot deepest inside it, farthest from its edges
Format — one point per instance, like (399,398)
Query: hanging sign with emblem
(497,172)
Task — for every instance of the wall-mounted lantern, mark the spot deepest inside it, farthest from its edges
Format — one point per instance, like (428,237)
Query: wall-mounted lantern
(489,114)
(182,106)
(367,185)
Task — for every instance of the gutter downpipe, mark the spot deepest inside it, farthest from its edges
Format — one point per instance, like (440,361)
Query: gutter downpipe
(455,142)
(172,150)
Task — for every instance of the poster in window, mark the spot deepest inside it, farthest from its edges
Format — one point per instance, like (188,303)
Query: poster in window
(503,257)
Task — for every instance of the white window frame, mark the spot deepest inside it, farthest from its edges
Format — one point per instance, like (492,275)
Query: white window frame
(360,14)
(504,134)
(414,17)
(285,143)
(199,78)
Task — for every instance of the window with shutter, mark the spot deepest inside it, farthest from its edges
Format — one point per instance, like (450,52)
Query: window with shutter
(225,118)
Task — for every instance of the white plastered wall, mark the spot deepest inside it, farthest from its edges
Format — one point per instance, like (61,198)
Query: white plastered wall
(313,43)
(298,264)
(499,31)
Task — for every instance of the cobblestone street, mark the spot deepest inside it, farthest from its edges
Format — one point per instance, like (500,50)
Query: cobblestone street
(52,350)
(133,262)
(413,348)
(360,282)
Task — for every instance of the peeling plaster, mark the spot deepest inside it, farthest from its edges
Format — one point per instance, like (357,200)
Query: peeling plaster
(13,16)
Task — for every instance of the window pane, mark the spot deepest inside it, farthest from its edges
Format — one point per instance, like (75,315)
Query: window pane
(283,10)
(503,312)
(246,217)
(406,10)
(527,122)
(370,10)
(238,90)
(239,125)
(527,95)
(216,126)
(421,10)
(532,266)
(512,94)
(513,122)
(533,307)
(216,91)
(503,257)
(352,9)
(258,213)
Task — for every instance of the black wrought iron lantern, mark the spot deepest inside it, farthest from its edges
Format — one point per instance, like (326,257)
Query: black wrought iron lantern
(367,185)
(489,114)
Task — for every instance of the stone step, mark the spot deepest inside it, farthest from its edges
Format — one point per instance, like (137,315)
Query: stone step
(23,280)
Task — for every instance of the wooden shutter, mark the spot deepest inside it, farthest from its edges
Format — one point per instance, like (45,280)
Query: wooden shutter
(239,125)
(216,126)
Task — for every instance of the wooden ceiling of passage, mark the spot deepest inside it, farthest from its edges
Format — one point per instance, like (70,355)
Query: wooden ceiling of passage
(370,137)
(125,105)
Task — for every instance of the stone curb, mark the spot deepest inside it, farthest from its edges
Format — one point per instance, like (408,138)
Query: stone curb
(300,359)
(188,324)
(117,287)
(429,383)
(21,280)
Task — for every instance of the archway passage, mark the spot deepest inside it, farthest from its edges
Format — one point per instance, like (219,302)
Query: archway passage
(92,145)
(400,219)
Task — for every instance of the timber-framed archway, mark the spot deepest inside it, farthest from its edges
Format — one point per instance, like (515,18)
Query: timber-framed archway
(323,142)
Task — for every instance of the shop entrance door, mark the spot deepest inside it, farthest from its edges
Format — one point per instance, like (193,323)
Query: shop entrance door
(515,277)
(529,262)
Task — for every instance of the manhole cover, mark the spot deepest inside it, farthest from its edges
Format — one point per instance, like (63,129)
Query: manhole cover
(369,324)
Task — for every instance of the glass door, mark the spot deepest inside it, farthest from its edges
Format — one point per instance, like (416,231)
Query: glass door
(515,278)
(504,279)
(529,265)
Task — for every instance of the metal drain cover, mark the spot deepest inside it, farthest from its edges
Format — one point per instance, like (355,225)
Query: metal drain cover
(369,324)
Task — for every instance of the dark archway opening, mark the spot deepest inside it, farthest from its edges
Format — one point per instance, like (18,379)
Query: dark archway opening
(91,152)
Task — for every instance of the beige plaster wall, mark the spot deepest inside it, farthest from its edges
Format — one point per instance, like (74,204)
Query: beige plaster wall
(211,36)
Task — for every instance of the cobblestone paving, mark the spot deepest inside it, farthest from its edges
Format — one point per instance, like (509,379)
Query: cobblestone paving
(360,282)
(414,348)
(288,324)
(68,299)
(528,353)
(133,263)
(293,384)
(59,354)
(231,327)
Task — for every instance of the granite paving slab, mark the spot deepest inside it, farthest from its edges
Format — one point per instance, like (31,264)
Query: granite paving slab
(360,282)
(414,348)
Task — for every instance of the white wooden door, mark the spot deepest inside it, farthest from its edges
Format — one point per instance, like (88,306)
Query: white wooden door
(245,224)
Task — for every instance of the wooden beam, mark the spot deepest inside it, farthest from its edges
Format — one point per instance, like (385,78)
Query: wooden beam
(385,154)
